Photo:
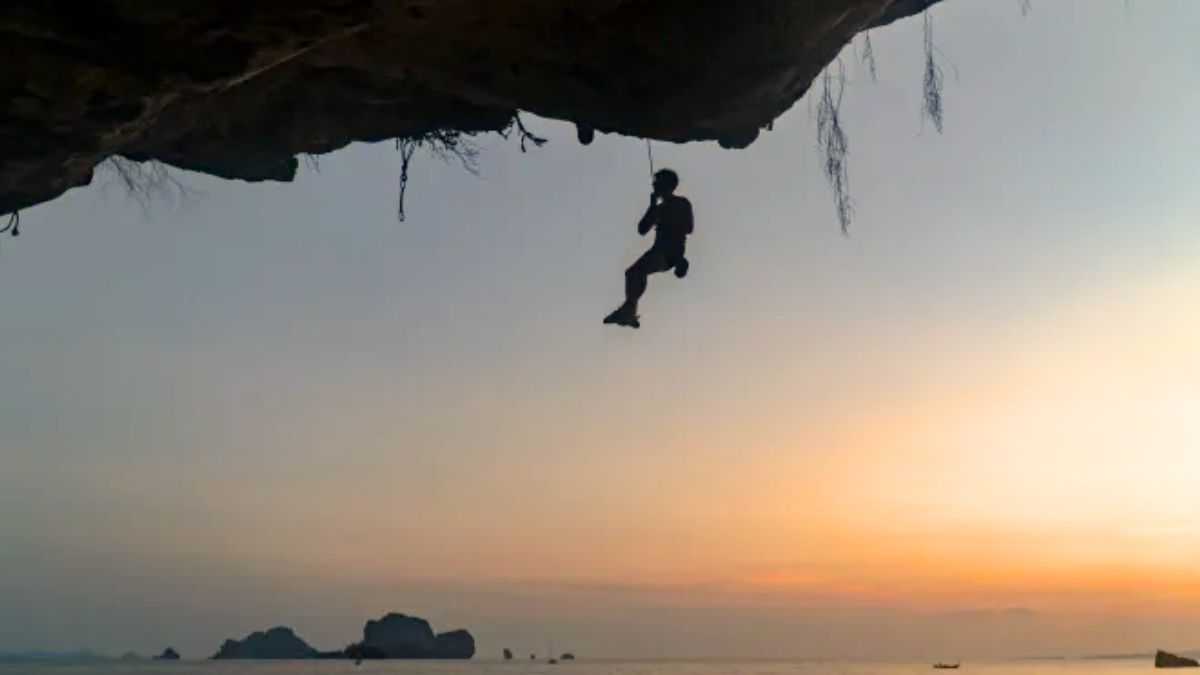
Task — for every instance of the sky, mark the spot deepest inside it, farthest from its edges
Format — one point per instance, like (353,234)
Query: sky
(971,426)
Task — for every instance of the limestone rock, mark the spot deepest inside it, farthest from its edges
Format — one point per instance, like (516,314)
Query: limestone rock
(1168,660)
(277,643)
(400,636)
(237,89)
(455,644)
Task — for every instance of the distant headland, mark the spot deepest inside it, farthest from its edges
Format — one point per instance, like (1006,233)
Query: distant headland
(394,636)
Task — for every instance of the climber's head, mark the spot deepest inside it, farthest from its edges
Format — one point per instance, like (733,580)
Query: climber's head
(665,182)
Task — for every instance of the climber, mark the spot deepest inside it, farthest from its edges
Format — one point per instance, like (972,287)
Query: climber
(671,216)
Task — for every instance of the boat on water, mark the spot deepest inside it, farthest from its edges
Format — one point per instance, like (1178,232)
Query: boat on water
(945,666)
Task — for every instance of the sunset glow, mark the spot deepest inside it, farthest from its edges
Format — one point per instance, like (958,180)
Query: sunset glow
(972,423)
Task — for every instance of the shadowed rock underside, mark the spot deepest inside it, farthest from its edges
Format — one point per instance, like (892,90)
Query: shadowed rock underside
(239,89)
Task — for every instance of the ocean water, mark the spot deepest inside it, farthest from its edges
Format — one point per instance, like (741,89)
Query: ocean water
(583,667)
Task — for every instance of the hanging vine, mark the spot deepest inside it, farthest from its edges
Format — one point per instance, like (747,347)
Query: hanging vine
(931,107)
(868,56)
(449,145)
(13,227)
(833,143)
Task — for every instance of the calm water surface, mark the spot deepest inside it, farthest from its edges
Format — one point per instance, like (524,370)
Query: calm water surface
(576,668)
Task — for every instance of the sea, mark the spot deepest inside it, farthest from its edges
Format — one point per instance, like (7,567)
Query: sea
(581,667)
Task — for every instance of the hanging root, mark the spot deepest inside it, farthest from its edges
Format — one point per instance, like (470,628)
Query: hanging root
(449,145)
(446,145)
(14,224)
(1026,6)
(831,138)
(145,182)
(868,56)
(406,148)
(934,80)
(523,134)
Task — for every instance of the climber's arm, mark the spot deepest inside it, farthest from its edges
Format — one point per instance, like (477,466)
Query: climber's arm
(650,217)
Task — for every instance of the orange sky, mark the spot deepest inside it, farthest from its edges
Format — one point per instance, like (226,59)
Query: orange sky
(973,421)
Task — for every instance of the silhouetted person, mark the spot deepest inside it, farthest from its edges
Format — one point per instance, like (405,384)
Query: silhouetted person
(671,217)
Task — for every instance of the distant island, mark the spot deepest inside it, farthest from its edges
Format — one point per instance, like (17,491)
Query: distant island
(1168,660)
(277,643)
(78,656)
(394,636)
(399,636)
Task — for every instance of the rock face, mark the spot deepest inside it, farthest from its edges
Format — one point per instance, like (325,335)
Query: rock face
(1168,660)
(276,643)
(168,654)
(455,644)
(399,636)
(237,89)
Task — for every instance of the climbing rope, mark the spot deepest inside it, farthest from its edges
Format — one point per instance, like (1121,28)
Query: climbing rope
(650,156)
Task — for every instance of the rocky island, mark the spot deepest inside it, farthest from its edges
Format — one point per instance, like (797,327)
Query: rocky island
(1168,660)
(400,636)
(394,636)
(277,643)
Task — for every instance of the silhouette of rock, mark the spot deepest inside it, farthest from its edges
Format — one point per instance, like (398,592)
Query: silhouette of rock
(169,654)
(277,643)
(567,656)
(508,654)
(400,636)
(239,94)
(359,652)
(1168,660)
(455,644)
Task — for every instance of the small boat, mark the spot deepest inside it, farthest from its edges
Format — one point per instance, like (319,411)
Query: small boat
(945,666)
